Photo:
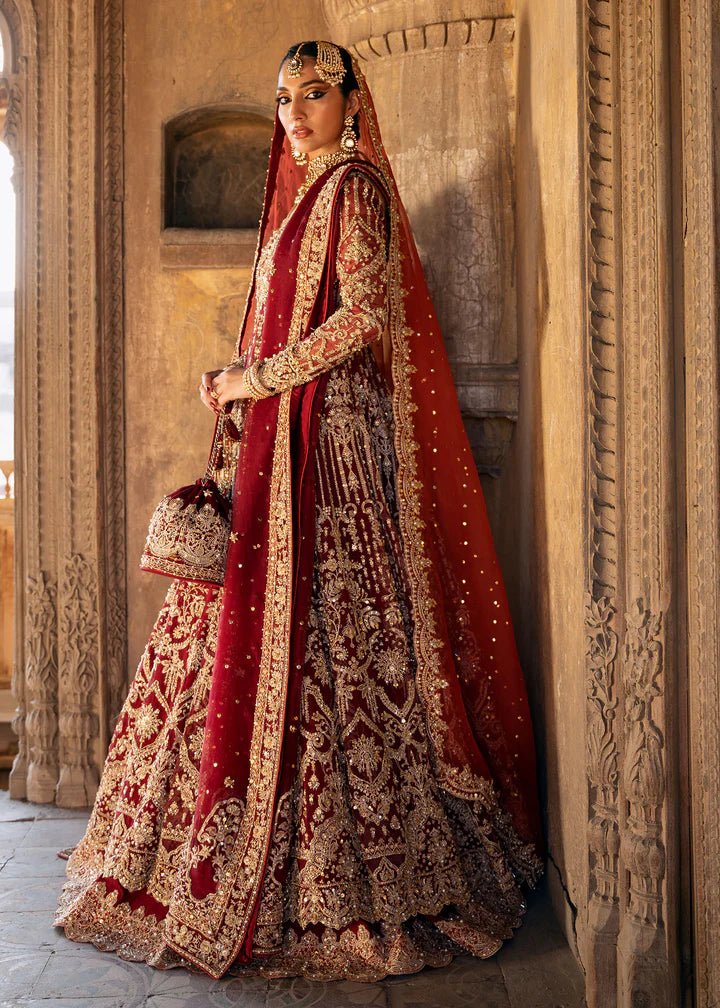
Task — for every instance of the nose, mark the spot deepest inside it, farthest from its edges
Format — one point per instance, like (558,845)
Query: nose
(296,112)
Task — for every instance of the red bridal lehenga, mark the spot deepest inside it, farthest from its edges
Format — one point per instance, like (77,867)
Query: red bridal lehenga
(326,767)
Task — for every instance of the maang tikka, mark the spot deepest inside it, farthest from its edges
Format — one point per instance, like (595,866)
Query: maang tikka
(328,63)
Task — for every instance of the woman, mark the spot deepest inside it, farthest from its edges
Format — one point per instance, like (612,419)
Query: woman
(326,766)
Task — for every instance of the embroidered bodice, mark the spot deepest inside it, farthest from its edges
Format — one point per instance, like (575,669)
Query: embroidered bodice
(361,268)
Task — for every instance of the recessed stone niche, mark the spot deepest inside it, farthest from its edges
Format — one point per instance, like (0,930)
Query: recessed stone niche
(215,165)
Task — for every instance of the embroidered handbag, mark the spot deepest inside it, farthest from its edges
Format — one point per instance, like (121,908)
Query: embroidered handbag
(188,533)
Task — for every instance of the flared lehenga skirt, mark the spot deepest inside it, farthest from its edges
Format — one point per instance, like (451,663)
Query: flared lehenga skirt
(373,868)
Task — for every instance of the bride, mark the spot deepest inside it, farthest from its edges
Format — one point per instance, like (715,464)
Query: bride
(325,766)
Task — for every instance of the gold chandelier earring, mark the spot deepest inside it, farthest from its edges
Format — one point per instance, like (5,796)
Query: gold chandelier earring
(348,138)
(299,157)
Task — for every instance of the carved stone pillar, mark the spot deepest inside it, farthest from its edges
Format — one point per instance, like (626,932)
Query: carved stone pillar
(442,79)
(65,86)
(699,35)
(628,931)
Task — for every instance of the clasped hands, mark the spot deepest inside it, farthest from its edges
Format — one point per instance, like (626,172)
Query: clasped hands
(220,387)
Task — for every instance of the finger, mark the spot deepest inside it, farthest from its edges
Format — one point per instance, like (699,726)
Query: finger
(207,401)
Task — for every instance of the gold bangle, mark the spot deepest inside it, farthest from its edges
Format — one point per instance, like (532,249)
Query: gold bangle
(254,384)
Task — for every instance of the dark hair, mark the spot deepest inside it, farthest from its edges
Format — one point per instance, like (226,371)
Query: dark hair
(347,84)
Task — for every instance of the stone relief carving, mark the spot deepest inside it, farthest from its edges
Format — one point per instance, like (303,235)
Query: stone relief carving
(648,945)
(598,926)
(12,122)
(602,755)
(113,601)
(78,682)
(643,771)
(40,687)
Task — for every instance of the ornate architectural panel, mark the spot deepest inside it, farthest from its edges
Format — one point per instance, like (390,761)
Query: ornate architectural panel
(21,133)
(700,80)
(629,928)
(113,603)
(352,20)
(70,665)
(648,966)
(598,926)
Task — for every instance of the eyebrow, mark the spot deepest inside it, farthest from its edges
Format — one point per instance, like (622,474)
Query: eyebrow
(304,84)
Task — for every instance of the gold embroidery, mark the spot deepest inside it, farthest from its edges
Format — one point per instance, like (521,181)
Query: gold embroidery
(362,282)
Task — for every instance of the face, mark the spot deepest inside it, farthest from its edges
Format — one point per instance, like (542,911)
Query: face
(312,112)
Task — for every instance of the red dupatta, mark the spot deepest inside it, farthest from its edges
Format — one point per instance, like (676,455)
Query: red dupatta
(469,675)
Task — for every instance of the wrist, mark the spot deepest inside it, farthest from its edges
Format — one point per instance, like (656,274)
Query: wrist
(253,384)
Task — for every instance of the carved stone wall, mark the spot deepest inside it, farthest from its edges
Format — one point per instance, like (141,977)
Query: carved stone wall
(624,906)
(629,928)
(65,94)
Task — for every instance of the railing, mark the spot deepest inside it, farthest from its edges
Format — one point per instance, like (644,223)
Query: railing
(7,480)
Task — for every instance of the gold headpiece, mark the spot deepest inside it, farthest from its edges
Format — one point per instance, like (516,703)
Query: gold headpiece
(328,63)
(294,66)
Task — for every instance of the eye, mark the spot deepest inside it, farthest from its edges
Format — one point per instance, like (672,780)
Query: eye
(316,94)
(282,99)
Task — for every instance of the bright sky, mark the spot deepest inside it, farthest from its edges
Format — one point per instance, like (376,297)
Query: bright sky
(7,222)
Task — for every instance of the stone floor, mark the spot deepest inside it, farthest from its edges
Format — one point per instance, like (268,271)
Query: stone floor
(40,968)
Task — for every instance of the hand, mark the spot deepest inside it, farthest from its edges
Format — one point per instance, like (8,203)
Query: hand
(206,387)
(228,385)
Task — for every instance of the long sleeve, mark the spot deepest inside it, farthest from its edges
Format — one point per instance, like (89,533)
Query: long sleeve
(361,270)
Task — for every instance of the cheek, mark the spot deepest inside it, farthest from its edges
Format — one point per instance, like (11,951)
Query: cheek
(330,115)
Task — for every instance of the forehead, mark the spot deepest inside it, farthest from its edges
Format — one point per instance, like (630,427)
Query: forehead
(291,83)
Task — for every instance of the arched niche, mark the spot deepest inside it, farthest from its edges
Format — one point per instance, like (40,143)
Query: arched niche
(215,163)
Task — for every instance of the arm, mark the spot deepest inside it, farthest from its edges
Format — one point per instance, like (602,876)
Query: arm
(362,280)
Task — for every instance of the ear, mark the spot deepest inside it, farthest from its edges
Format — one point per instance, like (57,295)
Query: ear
(352,106)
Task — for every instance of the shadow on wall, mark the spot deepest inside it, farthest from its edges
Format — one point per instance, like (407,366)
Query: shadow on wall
(518,499)
(531,547)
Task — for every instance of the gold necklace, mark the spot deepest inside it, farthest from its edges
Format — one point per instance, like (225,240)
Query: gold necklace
(320,164)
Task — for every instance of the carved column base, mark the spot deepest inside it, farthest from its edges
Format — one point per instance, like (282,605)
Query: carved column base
(76,788)
(18,778)
(596,934)
(643,976)
(41,781)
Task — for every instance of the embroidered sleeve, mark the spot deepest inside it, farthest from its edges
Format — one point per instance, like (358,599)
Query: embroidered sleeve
(362,287)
